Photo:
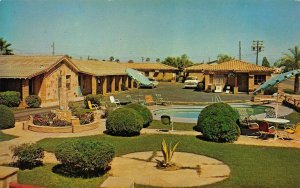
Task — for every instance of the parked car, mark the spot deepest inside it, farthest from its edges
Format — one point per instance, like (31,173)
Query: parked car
(154,82)
(191,82)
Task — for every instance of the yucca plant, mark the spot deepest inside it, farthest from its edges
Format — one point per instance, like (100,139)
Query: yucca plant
(167,151)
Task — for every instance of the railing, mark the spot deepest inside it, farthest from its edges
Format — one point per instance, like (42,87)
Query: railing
(291,102)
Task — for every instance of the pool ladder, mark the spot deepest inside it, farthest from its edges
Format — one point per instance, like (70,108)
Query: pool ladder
(216,98)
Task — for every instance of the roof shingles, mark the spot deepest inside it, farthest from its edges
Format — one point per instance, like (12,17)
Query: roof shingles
(149,66)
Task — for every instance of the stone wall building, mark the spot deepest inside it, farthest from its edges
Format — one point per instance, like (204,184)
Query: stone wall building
(42,75)
(159,71)
(242,76)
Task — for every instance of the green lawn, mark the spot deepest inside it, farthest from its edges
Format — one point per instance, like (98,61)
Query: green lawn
(177,126)
(293,117)
(4,137)
(251,166)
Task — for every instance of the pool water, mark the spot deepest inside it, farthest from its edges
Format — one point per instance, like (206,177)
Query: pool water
(193,113)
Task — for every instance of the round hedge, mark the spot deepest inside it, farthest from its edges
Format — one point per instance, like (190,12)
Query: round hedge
(124,122)
(143,111)
(220,129)
(84,158)
(7,118)
(10,98)
(33,101)
(216,109)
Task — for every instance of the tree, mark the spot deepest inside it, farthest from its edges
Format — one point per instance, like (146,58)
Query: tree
(223,58)
(111,58)
(178,62)
(147,59)
(117,60)
(291,61)
(157,60)
(130,61)
(265,62)
(4,48)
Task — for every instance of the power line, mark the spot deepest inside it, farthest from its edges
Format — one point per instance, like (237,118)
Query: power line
(52,46)
(240,51)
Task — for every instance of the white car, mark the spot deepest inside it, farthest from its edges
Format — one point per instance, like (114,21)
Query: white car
(154,82)
(191,82)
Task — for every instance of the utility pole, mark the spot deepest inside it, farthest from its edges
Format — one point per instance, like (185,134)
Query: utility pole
(240,51)
(52,46)
(258,47)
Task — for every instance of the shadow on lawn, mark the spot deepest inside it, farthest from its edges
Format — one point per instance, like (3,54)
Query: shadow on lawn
(78,173)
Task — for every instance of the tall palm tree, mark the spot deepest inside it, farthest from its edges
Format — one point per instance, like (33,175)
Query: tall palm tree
(4,47)
(292,61)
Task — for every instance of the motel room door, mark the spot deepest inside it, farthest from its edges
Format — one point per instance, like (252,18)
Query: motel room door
(243,82)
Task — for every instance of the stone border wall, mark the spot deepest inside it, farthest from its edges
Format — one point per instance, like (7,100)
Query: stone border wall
(75,128)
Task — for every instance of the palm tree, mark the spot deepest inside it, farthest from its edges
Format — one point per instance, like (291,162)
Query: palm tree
(292,61)
(4,47)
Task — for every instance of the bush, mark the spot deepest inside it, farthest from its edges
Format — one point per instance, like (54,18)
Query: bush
(61,123)
(216,109)
(143,111)
(84,158)
(124,122)
(83,114)
(220,129)
(95,99)
(43,119)
(270,90)
(10,98)
(33,101)
(7,118)
(28,155)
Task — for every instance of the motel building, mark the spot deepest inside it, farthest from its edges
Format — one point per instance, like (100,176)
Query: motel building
(242,77)
(44,76)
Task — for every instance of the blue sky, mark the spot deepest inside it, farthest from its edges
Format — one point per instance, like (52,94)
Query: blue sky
(131,29)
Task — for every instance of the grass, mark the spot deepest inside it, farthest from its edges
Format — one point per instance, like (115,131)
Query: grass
(177,126)
(293,117)
(5,137)
(251,166)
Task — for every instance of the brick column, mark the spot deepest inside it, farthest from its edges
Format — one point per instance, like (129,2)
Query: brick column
(25,89)
(126,81)
(120,83)
(104,87)
(251,82)
(94,85)
(206,82)
(113,84)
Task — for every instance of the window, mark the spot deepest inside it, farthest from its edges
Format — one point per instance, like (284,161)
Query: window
(259,79)
(68,82)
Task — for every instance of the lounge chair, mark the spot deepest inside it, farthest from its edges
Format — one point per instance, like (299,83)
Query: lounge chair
(93,106)
(265,129)
(161,100)
(114,101)
(294,129)
(149,100)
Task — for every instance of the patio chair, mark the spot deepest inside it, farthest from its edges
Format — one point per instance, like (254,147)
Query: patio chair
(93,106)
(266,130)
(149,100)
(115,101)
(294,129)
(161,100)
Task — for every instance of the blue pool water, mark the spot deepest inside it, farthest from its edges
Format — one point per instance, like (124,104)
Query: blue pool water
(193,112)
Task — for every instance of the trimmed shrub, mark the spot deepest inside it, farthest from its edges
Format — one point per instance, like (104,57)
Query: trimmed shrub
(220,128)
(271,90)
(95,99)
(10,98)
(84,158)
(33,101)
(124,122)
(28,155)
(215,110)
(143,111)
(7,118)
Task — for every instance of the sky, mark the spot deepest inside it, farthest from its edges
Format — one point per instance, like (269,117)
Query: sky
(132,29)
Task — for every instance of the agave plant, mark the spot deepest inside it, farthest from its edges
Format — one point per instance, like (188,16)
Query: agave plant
(167,151)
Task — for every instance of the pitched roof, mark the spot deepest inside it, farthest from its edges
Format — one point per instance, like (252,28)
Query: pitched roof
(99,68)
(149,66)
(16,66)
(233,65)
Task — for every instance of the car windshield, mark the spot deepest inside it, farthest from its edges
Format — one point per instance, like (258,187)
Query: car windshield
(191,78)
(151,79)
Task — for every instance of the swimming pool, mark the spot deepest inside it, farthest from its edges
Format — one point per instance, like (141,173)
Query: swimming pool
(190,114)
